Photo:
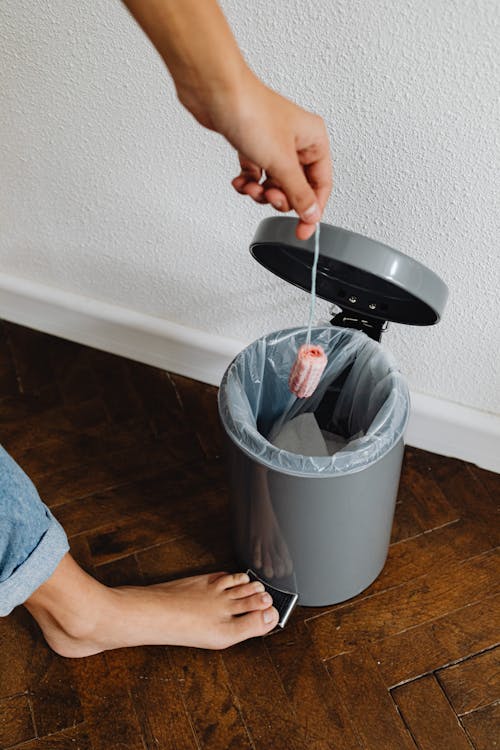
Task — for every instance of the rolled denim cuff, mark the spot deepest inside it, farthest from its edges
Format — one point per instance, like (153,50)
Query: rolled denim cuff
(36,568)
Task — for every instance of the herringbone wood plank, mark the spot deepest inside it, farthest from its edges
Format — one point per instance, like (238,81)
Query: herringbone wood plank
(474,683)
(371,708)
(129,458)
(482,727)
(448,639)
(158,703)
(429,716)
(73,738)
(16,721)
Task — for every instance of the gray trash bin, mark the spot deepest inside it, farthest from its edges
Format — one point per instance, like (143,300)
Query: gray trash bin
(320,526)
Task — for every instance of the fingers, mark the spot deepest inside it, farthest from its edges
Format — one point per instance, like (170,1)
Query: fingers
(275,195)
(290,193)
(248,181)
(303,230)
(250,171)
(298,191)
(319,176)
(303,199)
(317,166)
(249,187)
(298,174)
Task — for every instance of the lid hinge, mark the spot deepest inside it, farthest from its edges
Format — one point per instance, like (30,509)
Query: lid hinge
(373,327)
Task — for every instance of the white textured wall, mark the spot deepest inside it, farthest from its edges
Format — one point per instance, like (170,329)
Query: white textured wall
(110,189)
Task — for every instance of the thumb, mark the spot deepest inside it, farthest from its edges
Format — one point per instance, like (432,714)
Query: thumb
(299,192)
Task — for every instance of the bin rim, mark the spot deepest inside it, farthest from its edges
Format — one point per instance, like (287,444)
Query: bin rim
(398,435)
(308,474)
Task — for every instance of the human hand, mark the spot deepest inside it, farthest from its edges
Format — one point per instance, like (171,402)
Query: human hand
(283,150)
(284,154)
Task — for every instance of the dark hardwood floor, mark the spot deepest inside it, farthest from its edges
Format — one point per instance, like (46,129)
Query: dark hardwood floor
(129,459)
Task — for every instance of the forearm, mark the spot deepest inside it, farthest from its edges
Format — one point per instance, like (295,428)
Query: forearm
(283,150)
(196,43)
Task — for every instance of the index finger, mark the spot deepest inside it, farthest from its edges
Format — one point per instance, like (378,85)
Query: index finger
(317,165)
(318,170)
(319,176)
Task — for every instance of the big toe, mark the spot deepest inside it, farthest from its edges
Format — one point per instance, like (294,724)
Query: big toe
(252,625)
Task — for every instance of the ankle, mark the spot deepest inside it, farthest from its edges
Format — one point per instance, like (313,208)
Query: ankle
(70,601)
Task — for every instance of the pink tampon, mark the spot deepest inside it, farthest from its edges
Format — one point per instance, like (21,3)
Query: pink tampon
(307,370)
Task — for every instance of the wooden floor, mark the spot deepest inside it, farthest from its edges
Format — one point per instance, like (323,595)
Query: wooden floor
(129,459)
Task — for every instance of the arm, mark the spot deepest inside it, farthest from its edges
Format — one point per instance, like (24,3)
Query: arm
(272,135)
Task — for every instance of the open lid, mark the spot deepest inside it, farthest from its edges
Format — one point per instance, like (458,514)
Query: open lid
(354,272)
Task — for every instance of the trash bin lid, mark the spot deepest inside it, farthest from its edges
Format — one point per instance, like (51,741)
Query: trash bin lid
(354,272)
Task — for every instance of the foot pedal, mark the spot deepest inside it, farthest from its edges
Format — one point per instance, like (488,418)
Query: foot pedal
(283,601)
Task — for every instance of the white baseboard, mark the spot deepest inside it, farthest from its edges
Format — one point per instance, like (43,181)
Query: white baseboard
(451,429)
(145,338)
(436,425)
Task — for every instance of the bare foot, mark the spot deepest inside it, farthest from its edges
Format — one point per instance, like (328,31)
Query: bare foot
(79,616)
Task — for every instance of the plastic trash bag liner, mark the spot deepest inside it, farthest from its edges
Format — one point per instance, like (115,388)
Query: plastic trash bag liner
(361,393)
(302,435)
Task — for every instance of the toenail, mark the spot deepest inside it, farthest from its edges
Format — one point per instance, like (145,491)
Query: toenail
(269,615)
(259,587)
(266,599)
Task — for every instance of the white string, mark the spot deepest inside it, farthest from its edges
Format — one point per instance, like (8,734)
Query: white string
(293,398)
(312,306)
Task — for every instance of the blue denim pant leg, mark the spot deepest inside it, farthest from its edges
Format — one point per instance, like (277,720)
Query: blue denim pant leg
(32,542)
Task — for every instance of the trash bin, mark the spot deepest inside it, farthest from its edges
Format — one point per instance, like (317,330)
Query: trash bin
(320,526)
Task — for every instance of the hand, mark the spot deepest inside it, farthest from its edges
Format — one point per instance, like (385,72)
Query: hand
(283,150)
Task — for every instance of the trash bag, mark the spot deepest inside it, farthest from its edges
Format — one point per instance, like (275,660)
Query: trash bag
(362,396)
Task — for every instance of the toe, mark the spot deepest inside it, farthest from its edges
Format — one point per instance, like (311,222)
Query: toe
(246,589)
(252,625)
(213,577)
(250,604)
(230,580)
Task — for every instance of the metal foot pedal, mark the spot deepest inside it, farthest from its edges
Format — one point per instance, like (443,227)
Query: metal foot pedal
(283,601)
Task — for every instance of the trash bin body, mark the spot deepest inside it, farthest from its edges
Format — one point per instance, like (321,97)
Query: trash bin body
(302,526)
(325,538)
